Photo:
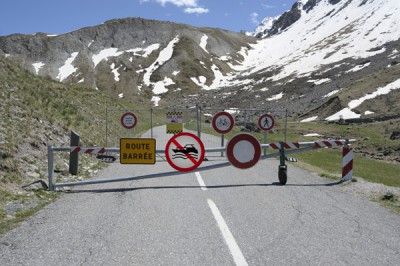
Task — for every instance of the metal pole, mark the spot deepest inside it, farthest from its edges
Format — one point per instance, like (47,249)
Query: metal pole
(222,144)
(198,118)
(286,125)
(50,165)
(106,144)
(265,142)
(74,157)
(151,122)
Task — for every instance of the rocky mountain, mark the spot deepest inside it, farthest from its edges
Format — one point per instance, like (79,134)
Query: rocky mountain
(321,60)
(131,58)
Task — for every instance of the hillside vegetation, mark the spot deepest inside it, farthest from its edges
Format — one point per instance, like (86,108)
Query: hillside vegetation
(36,112)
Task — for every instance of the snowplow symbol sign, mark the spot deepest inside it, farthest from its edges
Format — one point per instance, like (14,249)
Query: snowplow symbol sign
(185,151)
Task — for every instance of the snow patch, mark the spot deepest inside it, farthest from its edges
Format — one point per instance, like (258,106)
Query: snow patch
(312,135)
(331,93)
(200,81)
(163,57)
(38,66)
(310,119)
(160,86)
(368,112)
(320,81)
(155,100)
(203,42)
(67,69)
(115,72)
(113,52)
(347,112)
(358,67)
(275,97)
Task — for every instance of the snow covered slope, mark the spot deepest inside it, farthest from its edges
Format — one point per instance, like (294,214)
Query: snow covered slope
(326,34)
(319,47)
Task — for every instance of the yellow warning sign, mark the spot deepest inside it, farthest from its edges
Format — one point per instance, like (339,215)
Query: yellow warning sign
(137,151)
(174,128)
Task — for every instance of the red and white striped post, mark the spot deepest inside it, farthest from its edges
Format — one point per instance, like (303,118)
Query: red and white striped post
(347,165)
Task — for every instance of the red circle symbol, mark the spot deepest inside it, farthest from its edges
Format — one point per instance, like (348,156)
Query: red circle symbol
(128,120)
(243,151)
(266,122)
(223,122)
(185,152)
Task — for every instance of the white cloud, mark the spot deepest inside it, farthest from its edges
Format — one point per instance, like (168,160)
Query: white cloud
(254,18)
(179,3)
(191,6)
(267,6)
(198,10)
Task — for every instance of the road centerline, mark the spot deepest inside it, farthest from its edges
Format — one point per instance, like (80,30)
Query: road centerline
(201,181)
(226,233)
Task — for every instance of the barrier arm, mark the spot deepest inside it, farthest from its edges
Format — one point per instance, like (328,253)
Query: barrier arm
(284,149)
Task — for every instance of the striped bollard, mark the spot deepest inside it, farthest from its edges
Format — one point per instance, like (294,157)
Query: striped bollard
(347,166)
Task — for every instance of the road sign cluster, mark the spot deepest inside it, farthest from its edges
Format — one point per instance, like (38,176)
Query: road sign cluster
(185,151)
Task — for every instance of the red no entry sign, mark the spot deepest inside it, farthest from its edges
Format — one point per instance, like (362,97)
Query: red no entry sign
(243,151)
(128,120)
(185,152)
(266,122)
(223,122)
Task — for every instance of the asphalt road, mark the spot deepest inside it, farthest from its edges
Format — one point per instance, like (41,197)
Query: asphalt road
(224,216)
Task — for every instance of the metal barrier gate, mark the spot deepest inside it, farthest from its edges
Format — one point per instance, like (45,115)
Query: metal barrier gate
(284,149)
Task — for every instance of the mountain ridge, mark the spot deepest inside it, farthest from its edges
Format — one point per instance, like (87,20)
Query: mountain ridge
(305,54)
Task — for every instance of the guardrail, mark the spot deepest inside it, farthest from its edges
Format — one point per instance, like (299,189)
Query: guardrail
(284,150)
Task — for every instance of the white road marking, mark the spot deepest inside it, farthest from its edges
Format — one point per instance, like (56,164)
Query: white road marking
(226,233)
(200,180)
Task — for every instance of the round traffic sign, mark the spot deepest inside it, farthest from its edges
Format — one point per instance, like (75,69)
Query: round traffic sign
(266,122)
(128,120)
(223,122)
(185,152)
(243,151)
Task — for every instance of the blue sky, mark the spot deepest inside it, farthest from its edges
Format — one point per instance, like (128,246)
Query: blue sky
(61,16)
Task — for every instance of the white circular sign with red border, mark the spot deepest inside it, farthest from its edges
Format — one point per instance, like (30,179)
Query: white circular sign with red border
(243,151)
(266,122)
(185,152)
(128,120)
(223,122)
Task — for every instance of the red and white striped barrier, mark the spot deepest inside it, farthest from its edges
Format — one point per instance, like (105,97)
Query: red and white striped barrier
(347,165)
(88,150)
(329,143)
(317,144)
(277,146)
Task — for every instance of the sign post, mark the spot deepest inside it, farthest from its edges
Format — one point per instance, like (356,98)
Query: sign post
(243,151)
(137,151)
(128,121)
(185,151)
(266,122)
(223,123)
(174,122)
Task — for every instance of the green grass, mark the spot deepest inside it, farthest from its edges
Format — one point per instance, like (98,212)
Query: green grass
(9,221)
(330,161)
(371,138)
(392,203)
